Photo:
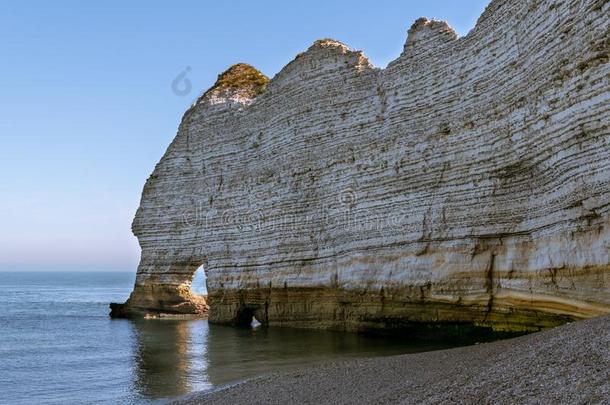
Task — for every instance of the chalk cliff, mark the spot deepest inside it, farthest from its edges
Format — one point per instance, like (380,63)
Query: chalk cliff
(468,182)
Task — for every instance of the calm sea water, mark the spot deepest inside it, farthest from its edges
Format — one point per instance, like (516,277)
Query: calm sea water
(58,345)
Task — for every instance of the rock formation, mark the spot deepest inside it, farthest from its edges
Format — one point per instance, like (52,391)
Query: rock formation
(466,183)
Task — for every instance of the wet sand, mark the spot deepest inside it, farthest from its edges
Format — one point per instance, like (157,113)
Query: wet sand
(566,365)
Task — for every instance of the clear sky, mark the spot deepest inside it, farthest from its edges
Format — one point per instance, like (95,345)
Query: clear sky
(87,107)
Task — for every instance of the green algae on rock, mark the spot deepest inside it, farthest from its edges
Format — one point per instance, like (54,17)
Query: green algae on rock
(240,77)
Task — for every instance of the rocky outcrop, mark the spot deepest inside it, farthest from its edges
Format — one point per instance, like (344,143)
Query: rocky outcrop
(466,183)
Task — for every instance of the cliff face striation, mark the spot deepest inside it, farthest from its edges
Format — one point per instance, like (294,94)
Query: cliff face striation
(468,182)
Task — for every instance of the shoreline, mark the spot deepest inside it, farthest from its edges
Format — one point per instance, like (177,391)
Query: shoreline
(567,364)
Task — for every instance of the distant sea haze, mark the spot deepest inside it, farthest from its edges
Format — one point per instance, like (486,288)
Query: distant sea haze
(58,345)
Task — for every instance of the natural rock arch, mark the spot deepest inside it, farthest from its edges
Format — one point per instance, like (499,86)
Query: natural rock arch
(164,294)
(483,164)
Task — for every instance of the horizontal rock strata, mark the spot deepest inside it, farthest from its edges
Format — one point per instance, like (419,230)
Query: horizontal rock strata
(468,182)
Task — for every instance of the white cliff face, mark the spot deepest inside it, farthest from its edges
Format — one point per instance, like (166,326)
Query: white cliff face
(469,181)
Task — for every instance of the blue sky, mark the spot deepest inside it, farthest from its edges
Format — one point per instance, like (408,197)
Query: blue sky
(87,108)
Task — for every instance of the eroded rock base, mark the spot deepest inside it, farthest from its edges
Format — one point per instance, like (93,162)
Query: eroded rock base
(161,302)
(389,311)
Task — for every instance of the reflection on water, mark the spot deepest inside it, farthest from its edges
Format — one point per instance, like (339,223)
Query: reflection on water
(174,358)
(169,359)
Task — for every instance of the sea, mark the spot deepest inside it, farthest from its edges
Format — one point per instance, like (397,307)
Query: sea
(58,345)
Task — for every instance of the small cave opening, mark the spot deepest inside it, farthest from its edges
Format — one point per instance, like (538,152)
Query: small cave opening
(245,317)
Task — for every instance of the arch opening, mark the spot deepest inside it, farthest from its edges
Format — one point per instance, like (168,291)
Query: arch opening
(199,282)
